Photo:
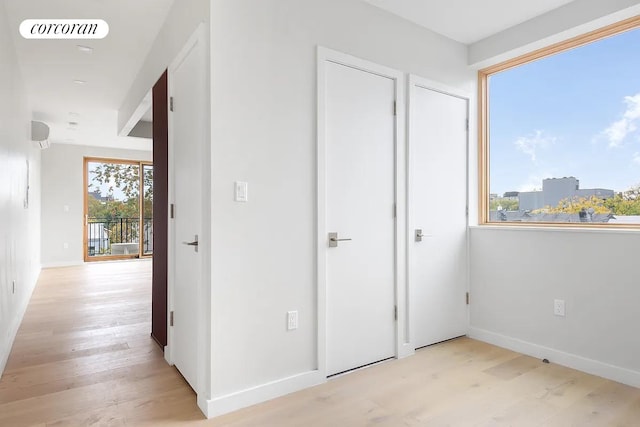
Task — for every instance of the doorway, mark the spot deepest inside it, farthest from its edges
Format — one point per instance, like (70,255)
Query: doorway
(118,209)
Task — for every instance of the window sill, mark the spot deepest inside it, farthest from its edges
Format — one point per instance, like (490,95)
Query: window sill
(577,228)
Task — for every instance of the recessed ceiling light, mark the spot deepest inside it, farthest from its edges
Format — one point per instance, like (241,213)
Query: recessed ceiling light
(85,49)
(72,124)
(80,82)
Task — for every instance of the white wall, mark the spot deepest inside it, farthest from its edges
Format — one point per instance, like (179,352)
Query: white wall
(517,273)
(19,226)
(264,132)
(62,185)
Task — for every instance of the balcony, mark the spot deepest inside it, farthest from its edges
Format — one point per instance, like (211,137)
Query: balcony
(119,237)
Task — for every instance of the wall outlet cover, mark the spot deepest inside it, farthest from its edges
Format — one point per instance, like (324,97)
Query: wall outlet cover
(559,307)
(292,320)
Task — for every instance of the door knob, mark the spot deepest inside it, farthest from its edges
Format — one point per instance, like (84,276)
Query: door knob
(419,235)
(194,243)
(333,240)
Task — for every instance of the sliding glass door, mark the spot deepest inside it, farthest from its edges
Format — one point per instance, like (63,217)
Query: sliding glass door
(118,209)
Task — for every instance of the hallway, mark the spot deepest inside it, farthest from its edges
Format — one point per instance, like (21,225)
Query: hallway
(84,356)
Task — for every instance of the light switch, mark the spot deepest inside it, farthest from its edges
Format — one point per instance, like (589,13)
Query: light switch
(242,191)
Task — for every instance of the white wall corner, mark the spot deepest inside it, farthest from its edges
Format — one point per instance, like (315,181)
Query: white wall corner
(251,396)
(182,20)
(590,366)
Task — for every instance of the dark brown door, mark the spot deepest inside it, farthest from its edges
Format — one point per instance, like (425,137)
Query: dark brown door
(160,210)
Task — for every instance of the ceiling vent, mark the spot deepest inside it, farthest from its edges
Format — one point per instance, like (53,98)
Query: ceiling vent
(40,134)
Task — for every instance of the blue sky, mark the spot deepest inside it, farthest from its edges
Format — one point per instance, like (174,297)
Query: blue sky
(572,114)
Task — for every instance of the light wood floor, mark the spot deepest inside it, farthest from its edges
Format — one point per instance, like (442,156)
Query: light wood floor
(83,357)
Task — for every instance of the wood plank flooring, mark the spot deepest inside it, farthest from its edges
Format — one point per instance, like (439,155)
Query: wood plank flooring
(83,357)
(83,354)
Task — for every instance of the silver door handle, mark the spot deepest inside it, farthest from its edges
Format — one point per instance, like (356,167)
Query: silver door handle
(419,235)
(333,240)
(194,243)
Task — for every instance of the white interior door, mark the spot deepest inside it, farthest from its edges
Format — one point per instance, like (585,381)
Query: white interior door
(187,84)
(360,196)
(438,195)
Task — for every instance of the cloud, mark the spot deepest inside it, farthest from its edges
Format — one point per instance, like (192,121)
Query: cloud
(534,181)
(620,129)
(530,144)
(636,158)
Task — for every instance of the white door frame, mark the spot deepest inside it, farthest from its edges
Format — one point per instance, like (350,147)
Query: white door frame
(414,83)
(324,57)
(198,38)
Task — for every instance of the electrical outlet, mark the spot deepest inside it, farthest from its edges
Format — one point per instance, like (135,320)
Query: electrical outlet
(558,307)
(292,320)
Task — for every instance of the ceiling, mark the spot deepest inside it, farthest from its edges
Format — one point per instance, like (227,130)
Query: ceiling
(468,21)
(49,67)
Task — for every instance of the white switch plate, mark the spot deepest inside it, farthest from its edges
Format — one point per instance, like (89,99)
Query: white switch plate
(292,320)
(558,307)
(242,191)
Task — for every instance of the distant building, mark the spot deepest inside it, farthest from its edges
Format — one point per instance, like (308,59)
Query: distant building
(556,189)
(99,197)
(530,200)
(511,195)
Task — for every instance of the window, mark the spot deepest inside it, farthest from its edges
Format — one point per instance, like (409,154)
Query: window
(118,215)
(560,133)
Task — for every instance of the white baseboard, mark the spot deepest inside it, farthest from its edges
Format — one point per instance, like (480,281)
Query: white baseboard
(406,350)
(77,263)
(234,401)
(590,366)
(165,352)
(4,353)
(15,325)
(62,264)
